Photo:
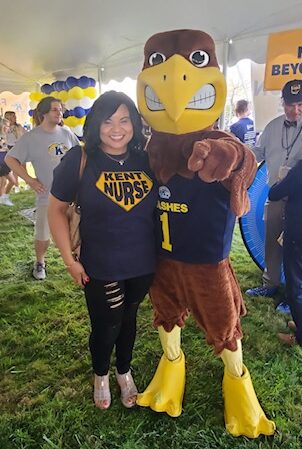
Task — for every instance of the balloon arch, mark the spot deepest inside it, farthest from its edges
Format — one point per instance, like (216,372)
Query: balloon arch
(77,95)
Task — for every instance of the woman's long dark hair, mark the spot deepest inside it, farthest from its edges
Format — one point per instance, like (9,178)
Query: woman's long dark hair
(102,109)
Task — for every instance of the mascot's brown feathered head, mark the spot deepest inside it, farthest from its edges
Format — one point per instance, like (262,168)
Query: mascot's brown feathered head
(180,89)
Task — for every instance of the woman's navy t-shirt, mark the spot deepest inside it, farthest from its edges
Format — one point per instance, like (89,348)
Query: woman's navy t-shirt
(117,212)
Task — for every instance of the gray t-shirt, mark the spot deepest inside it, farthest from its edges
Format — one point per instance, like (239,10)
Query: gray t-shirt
(44,150)
(272,144)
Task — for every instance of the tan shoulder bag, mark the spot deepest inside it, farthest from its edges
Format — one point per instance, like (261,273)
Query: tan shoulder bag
(73,214)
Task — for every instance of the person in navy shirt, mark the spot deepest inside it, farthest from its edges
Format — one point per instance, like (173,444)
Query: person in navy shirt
(117,198)
(289,189)
(244,127)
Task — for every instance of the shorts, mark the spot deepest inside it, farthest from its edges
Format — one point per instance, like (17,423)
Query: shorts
(210,292)
(4,169)
(41,226)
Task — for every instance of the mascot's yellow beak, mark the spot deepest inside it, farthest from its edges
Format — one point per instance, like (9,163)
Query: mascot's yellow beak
(177,97)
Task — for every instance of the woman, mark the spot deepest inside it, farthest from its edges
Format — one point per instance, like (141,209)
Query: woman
(117,198)
(14,133)
(15,129)
(6,176)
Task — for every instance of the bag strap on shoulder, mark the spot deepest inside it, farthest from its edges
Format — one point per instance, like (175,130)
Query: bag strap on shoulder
(81,171)
(83,162)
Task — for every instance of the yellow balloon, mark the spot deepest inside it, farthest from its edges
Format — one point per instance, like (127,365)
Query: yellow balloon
(90,92)
(81,120)
(35,96)
(69,121)
(74,121)
(64,96)
(76,93)
(40,96)
(57,95)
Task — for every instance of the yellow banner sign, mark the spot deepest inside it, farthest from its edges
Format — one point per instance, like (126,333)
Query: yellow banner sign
(284,59)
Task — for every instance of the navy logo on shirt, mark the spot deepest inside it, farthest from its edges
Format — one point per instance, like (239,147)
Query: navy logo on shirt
(126,189)
(57,150)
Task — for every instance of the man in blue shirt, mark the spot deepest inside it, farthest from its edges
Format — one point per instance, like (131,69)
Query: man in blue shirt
(244,127)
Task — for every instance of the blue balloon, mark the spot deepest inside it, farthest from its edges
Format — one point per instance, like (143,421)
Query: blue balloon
(31,112)
(92,82)
(46,89)
(84,82)
(71,82)
(66,113)
(60,85)
(79,112)
(53,86)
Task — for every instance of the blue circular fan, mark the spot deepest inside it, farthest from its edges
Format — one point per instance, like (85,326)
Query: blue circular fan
(252,224)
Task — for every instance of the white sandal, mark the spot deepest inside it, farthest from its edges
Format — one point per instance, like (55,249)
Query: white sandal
(101,394)
(128,388)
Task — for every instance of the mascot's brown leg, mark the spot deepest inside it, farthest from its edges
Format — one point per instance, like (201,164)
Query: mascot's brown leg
(242,412)
(166,389)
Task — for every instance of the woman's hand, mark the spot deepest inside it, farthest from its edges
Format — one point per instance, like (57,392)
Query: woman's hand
(76,270)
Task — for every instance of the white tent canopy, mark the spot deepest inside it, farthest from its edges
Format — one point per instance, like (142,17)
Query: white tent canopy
(41,41)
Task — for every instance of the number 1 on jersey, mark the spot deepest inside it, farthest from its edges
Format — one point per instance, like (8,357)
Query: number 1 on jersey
(166,244)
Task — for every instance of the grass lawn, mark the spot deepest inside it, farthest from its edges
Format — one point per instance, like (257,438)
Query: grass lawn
(46,377)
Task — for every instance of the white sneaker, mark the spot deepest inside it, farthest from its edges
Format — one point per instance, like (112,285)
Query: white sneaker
(6,200)
(39,271)
(17,189)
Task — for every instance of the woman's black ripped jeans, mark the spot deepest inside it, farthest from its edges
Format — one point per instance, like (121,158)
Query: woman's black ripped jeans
(112,307)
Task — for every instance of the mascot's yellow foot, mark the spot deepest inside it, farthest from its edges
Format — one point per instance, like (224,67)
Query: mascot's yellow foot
(166,389)
(242,412)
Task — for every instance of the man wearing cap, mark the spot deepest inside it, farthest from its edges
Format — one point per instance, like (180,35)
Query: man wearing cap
(280,146)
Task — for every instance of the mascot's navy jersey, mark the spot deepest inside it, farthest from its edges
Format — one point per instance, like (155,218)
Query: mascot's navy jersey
(195,223)
(117,213)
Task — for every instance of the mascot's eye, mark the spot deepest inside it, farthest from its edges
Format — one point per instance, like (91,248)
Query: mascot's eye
(200,58)
(156,58)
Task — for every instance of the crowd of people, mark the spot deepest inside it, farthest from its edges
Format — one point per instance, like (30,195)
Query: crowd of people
(117,195)
(280,146)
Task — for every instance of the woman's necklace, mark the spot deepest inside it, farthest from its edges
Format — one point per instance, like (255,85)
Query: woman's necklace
(120,159)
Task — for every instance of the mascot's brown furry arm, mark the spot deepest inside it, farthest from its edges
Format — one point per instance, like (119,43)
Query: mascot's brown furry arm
(204,175)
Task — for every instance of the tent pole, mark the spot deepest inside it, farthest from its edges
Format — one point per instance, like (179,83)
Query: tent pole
(226,47)
(100,79)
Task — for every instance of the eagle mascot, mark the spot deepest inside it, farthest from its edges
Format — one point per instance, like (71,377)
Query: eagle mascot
(203,177)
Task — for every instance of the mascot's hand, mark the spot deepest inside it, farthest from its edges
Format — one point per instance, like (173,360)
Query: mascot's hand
(215,159)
